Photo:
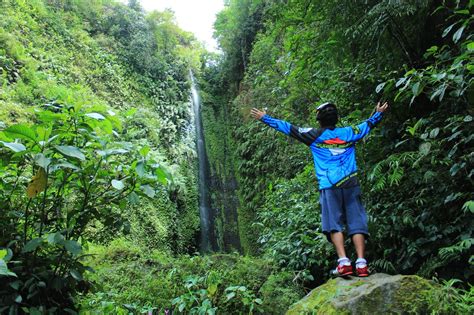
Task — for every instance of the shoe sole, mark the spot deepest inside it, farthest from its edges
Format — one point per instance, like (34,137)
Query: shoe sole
(363,275)
(346,274)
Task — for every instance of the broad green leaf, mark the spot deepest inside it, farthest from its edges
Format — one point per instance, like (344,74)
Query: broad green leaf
(140,169)
(415,88)
(470,46)
(55,238)
(149,191)
(133,198)
(439,76)
(96,116)
(73,247)
(425,148)
(71,151)
(4,269)
(468,206)
(130,112)
(48,116)
(43,133)
(15,284)
(400,81)
(3,253)
(42,161)
(144,151)
(107,126)
(32,245)
(15,146)
(118,184)
(212,288)
(76,275)
(9,255)
(111,152)
(21,131)
(434,133)
(161,175)
(55,167)
(455,168)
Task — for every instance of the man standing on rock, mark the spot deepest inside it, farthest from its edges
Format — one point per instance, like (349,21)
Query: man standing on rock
(336,170)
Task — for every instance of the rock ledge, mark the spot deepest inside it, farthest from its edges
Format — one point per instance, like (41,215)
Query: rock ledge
(378,294)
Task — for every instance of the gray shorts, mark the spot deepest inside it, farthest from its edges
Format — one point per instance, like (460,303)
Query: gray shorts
(342,207)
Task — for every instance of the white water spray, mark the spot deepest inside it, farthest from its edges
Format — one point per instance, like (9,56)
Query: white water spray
(204,200)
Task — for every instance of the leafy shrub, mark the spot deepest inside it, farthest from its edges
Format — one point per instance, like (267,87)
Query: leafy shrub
(189,284)
(58,177)
(291,232)
(280,291)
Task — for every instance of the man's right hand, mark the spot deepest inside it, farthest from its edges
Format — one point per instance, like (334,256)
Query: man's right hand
(257,113)
(382,108)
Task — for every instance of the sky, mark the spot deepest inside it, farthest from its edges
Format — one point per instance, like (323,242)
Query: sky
(196,16)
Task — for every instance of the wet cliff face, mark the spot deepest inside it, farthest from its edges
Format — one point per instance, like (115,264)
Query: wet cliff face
(223,185)
(208,240)
(225,203)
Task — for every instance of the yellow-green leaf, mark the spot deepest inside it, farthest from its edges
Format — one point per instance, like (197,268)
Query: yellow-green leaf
(37,184)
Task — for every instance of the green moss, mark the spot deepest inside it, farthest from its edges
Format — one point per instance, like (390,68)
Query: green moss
(413,294)
(318,301)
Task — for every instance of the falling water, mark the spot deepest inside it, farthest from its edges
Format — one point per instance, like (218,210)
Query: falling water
(204,200)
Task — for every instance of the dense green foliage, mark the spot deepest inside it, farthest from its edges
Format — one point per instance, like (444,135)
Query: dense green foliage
(98,179)
(96,142)
(222,283)
(415,170)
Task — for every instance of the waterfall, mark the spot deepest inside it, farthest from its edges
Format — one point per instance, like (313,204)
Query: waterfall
(203,179)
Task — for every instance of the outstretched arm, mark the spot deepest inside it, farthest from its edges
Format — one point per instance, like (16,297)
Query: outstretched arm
(355,133)
(305,135)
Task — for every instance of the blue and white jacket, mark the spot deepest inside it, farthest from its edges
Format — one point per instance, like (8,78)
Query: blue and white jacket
(333,148)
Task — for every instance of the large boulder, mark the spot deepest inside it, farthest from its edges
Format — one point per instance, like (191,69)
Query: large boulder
(378,294)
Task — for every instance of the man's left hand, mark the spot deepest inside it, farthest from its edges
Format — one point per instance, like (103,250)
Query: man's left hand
(381,108)
(257,113)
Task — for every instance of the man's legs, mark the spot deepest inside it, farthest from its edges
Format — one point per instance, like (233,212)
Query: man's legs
(333,219)
(344,267)
(357,226)
(337,239)
(359,244)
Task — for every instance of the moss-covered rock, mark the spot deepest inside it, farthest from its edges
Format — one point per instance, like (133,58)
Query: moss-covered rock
(377,294)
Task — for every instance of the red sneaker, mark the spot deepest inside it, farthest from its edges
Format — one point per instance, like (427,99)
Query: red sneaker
(362,272)
(342,271)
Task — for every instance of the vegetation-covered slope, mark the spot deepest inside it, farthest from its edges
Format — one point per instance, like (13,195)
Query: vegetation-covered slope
(415,170)
(98,181)
(94,111)
(98,199)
